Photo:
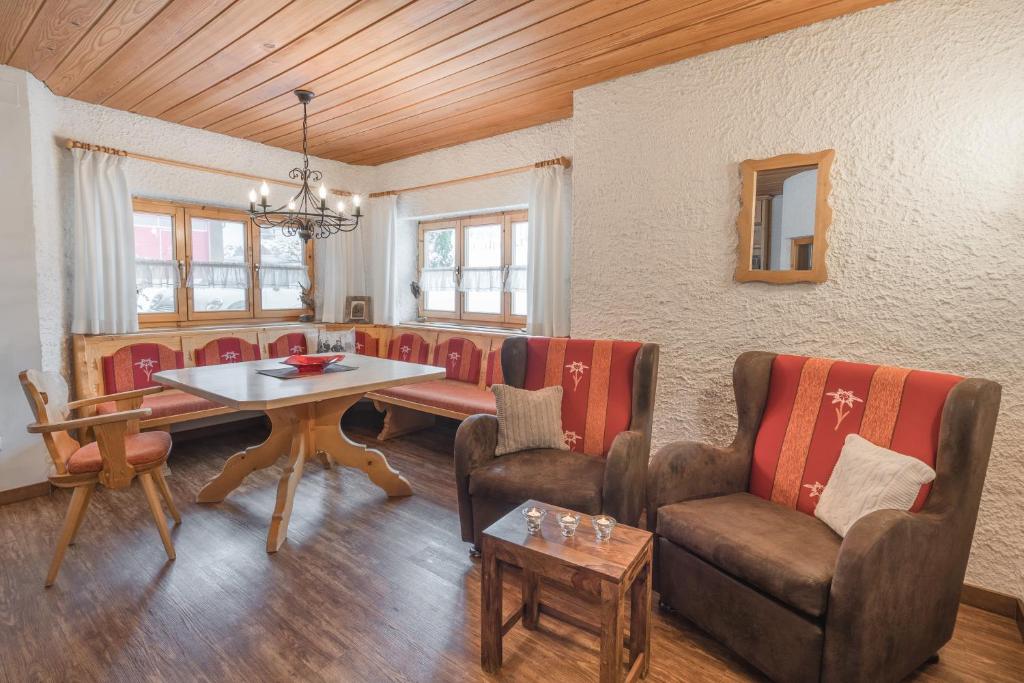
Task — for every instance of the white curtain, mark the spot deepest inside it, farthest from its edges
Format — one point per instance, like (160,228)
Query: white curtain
(381,225)
(218,274)
(550,252)
(156,273)
(104,279)
(340,262)
(482,279)
(284,277)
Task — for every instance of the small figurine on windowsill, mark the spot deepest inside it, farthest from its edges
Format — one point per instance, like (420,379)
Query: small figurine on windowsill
(306,297)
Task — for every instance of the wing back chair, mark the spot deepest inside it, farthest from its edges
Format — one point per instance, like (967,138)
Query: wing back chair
(607,410)
(740,553)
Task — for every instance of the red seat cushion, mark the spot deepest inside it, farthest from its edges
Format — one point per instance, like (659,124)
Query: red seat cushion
(130,367)
(366,344)
(287,345)
(409,347)
(596,377)
(227,350)
(165,404)
(814,403)
(460,359)
(142,449)
(447,394)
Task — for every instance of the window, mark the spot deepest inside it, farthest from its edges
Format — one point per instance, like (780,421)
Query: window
(196,263)
(474,268)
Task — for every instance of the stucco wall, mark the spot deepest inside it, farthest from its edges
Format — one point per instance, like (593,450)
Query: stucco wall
(922,101)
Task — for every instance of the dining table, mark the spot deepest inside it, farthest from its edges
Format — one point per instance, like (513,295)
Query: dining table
(305,420)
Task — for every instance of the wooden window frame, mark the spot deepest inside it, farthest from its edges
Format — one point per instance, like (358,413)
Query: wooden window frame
(505,219)
(185,316)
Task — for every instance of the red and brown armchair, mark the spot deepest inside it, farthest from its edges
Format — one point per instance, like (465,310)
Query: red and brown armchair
(740,553)
(607,410)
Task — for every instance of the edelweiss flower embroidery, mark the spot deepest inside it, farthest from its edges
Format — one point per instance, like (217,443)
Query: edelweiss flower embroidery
(296,349)
(570,439)
(816,489)
(576,369)
(229,356)
(845,398)
(454,357)
(146,365)
(359,347)
(405,351)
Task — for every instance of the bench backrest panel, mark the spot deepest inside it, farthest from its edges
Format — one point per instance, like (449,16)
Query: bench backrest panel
(227,350)
(287,345)
(131,367)
(460,358)
(410,347)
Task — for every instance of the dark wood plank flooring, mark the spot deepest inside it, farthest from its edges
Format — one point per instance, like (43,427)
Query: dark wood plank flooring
(365,589)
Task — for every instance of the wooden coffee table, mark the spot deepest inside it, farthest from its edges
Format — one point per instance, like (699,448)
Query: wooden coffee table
(602,569)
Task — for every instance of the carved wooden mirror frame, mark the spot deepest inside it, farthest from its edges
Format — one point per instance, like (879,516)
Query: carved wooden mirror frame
(822,217)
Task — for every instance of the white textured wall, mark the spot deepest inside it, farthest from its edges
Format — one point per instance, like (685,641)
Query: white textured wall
(923,102)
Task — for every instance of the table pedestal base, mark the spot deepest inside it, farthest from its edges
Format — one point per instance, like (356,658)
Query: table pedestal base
(300,432)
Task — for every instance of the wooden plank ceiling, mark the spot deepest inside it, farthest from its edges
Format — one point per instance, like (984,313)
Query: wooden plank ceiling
(393,78)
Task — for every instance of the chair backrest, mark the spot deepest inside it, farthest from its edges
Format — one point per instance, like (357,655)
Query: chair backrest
(287,345)
(47,395)
(366,344)
(409,347)
(598,379)
(227,350)
(460,359)
(132,367)
(814,403)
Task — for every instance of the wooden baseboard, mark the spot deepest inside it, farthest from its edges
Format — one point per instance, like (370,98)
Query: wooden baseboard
(995,602)
(25,492)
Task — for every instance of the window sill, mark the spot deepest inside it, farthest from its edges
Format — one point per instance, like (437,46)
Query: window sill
(467,327)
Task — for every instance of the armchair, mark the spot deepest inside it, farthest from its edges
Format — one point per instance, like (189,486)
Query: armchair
(607,411)
(739,552)
(119,454)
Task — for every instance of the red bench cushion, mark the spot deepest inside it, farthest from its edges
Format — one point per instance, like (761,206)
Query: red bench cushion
(458,397)
(227,350)
(409,347)
(287,345)
(814,403)
(167,403)
(366,344)
(141,449)
(132,366)
(597,381)
(460,359)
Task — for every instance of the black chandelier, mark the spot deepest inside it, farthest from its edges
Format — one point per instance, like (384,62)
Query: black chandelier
(305,214)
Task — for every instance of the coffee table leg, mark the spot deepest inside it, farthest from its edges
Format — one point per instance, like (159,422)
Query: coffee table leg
(612,628)
(490,611)
(531,599)
(640,619)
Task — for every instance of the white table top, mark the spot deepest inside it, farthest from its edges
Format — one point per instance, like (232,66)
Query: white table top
(238,385)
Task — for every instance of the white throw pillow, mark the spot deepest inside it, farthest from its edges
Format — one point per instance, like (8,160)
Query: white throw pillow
(868,478)
(528,419)
(339,341)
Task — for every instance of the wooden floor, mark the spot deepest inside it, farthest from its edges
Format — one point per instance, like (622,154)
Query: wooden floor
(365,589)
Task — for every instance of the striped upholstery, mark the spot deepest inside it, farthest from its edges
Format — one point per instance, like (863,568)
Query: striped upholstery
(366,344)
(287,345)
(410,347)
(131,367)
(460,359)
(227,350)
(597,379)
(494,374)
(814,403)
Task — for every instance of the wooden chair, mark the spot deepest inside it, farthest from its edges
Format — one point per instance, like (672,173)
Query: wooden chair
(119,454)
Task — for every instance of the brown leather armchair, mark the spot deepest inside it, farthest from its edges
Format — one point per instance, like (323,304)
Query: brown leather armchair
(607,410)
(740,554)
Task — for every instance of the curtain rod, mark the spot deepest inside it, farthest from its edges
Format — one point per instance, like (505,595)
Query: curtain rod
(184,164)
(558,161)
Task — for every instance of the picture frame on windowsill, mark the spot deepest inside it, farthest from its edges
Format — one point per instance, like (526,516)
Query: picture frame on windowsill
(358,309)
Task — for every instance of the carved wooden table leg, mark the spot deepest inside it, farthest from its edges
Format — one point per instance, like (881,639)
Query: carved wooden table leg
(490,610)
(341,450)
(240,465)
(301,446)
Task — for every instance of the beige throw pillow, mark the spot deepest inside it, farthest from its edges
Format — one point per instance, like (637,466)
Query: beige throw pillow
(528,419)
(868,478)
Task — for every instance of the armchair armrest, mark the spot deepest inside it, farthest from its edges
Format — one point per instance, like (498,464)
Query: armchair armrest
(475,442)
(122,396)
(79,423)
(685,470)
(894,595)
(625,477)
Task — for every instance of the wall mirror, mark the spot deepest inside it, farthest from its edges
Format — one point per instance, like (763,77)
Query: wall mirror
(784,218)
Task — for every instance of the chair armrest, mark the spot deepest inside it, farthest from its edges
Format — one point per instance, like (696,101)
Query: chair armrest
(894,594)
(685,470)
(79,423)
(122,396)
(475,441)
(625,477)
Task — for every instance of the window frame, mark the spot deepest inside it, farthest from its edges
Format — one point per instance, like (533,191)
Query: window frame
(185,316)
(459,224)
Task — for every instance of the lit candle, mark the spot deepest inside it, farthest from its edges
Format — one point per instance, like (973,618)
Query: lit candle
(533,516)
(603,525)
(357,202)
(291,204)
(264,192)
(252,200)
(323,196)
(341,207)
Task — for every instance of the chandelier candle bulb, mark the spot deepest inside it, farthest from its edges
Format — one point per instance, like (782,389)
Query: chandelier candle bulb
(341,207)
(252,201)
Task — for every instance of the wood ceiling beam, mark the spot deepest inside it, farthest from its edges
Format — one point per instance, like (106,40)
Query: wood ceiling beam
(54,32)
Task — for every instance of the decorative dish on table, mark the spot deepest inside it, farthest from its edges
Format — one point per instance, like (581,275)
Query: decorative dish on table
(313,364)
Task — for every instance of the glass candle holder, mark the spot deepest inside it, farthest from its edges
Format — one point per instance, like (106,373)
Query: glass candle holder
(568,522)
(603,525)
(533,516)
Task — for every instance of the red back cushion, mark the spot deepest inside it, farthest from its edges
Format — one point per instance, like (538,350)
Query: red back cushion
(597,383)
(460,359)
(410,347)
(287,345)
(814,403)
(366,344)
(494,373)
(131,367)
(227,350)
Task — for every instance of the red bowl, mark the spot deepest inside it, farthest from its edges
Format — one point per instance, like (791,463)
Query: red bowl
(312,364)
